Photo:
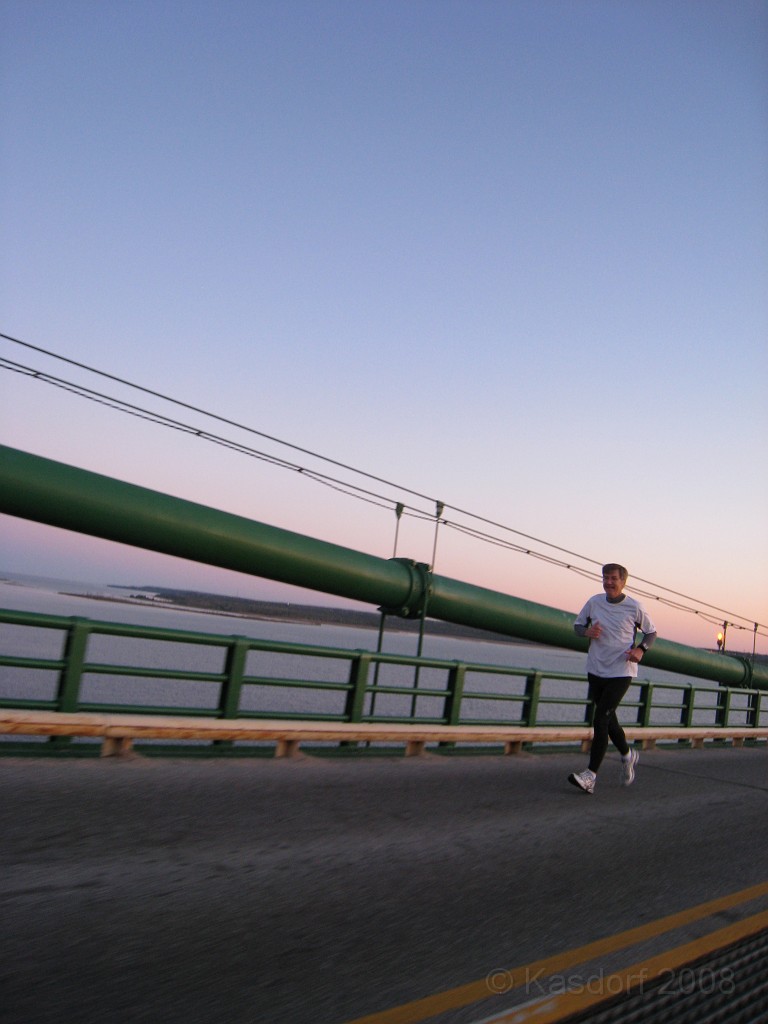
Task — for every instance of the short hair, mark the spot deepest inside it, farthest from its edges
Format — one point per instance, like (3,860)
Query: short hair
(615,567)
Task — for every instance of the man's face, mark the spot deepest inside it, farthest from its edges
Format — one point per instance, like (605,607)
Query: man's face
(613,585)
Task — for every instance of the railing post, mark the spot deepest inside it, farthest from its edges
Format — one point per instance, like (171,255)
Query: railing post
(753,708)
(70,678)
(68,696)
(646,700)
(589,719)
(723,706)
(532,697)
(452,707)
(589,712)
(687,706)
(358,686)
(234,669)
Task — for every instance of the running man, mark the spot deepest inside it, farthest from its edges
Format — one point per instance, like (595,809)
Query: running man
(611,621)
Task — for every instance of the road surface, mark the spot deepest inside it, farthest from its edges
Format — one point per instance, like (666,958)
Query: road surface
(319,891)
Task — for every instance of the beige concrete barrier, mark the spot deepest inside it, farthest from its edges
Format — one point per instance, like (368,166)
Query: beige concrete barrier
(119,731)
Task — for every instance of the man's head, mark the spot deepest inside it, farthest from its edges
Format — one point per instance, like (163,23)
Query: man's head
(614,580)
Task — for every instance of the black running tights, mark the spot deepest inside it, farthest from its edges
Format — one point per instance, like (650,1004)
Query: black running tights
(606,695)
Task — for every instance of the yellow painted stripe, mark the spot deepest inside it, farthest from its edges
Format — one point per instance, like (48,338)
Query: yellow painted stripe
(559,1007)
(474,991)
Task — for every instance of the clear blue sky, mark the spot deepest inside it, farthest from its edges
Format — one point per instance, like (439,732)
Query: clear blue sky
(510,255)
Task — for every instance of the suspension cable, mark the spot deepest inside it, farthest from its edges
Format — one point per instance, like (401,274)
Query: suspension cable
(343,486)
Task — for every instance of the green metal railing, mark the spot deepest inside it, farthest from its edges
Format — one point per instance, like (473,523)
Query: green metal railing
(447,692)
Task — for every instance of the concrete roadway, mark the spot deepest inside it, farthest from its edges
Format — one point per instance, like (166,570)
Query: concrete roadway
(322,890)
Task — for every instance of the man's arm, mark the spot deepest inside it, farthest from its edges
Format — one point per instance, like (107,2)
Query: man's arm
(583,622)
(591,630)
(648,640)
(636,653)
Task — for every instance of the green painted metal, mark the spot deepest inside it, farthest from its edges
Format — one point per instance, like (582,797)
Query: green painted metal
(359,672)
(234,670)
(51,492)
(452,707)
(533,694)
(74,659)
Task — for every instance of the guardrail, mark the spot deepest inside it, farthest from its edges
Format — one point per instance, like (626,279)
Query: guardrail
(432,700)
(118,732)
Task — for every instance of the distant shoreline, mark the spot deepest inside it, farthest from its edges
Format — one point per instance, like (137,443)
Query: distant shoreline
(274,611)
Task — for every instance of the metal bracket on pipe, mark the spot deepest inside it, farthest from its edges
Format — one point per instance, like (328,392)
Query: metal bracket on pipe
(746,684)
(415,603)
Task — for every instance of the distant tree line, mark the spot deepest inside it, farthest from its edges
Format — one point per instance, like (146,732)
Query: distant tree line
(315,614)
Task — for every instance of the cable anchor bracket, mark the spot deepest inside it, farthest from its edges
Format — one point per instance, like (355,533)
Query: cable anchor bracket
(420,588)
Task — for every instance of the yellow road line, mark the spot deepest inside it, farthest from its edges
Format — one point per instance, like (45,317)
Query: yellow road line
(474,991)
(559,1007)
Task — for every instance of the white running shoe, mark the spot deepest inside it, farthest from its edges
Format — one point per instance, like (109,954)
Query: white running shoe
(583,780)
(628,768)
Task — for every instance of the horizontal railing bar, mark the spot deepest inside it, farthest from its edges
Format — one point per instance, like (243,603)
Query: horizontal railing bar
(384,720)
(11,661)
(552,723)
(700,688)
(40,620)
(99,627)
(28,704)
(92,707)
(522,698)
(147,672)
(306,684)
(580,702)
(406,691)
(291,716)
(669,707)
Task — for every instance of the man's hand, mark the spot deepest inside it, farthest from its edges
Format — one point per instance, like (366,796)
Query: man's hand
(593,631)
(635,654)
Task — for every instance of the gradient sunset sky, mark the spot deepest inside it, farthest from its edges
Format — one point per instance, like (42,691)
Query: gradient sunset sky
(507,255)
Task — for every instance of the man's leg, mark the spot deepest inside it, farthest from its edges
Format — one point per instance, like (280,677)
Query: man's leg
(607,695)
(616,733)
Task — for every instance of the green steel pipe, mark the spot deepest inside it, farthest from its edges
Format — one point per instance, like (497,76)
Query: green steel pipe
(51,492)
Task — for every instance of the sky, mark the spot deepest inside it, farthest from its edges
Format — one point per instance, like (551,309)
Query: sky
(510,256)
